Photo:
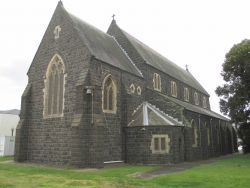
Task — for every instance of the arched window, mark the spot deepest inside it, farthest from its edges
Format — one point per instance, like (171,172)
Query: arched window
(109,95)
(208,134)
(157,82)
(186,94)
(196,98)
(173,89)
(54,88)
(204,102)
(195,134)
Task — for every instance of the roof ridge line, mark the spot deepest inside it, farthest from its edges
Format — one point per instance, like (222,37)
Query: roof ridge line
(126,54)
(137,108)
(166,61)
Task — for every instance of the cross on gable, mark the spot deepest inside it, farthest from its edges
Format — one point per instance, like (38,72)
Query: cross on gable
(57,31)
(113,16)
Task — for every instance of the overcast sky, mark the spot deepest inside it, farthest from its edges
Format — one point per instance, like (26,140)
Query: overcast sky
(194,32)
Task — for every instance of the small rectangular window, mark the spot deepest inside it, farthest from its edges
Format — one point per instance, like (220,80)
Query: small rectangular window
(160,144)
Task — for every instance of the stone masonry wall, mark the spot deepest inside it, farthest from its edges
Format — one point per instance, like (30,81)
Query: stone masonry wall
(138,142)
(113,143)
(49,140)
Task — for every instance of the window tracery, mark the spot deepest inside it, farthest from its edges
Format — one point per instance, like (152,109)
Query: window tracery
(157,82)
(173,89)
(109,95)
(54,88)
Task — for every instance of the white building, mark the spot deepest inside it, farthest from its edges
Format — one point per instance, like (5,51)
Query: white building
(8,123)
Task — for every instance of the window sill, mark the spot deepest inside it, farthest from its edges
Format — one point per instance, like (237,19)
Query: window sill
(53,116)
(109,111)
(159,152)
(157,89)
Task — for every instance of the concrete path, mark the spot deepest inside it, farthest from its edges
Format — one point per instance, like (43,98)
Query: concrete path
(172,168)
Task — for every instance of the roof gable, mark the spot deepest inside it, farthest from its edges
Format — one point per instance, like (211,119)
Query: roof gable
(104,47)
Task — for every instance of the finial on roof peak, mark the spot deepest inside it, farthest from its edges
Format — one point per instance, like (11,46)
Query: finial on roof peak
(113,19)
(60,2)
(187,68)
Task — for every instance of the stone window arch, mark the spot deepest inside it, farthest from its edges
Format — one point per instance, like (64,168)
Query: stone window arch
(204,102)
(173,89)
(186,94)
(138,90)
(157,82)
(54,88)
(194,134)
(132,88)
(196,98)
(109,95)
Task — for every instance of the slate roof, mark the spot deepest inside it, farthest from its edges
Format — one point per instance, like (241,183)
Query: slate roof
(194,108)
(156,60)
(103,46)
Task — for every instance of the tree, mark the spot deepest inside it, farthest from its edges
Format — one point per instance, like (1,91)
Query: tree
(235,93)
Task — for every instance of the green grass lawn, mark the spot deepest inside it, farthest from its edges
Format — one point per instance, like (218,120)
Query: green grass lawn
(231,172)
(6,158)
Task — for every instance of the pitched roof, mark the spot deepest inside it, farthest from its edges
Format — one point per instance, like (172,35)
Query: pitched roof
(194,108)
(103,46)
(156,60)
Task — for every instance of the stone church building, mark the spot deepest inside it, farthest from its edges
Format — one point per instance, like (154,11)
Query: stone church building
(95,98)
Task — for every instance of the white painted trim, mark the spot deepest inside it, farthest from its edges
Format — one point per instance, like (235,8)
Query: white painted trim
(145,114)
